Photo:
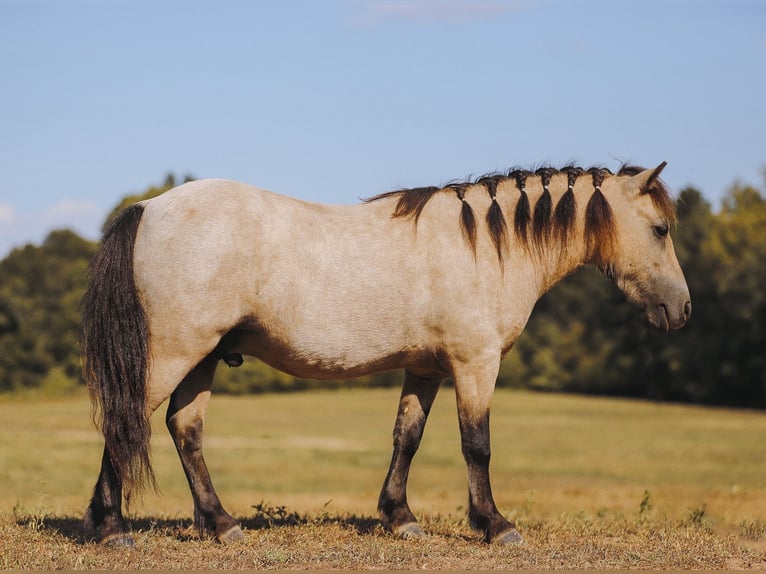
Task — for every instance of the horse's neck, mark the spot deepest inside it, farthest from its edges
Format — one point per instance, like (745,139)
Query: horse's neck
(554,264)
(559,256)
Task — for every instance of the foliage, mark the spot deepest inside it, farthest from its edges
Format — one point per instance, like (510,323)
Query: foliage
(41,287)
(583,337)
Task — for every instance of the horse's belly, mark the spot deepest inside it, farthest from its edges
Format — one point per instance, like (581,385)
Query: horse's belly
(325,362)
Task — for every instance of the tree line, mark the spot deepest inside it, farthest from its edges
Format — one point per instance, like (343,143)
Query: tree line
(583,336)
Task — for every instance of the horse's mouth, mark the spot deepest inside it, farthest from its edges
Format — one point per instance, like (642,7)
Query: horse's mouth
(660,318)
(663,317)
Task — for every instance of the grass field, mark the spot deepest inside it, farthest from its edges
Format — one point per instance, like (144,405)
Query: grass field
(591,482)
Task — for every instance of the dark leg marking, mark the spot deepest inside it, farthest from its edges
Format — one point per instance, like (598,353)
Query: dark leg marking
(483,513)
(185,421)
(104,514)
(417,397)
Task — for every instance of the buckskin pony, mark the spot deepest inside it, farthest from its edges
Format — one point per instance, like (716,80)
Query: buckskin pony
(437,281)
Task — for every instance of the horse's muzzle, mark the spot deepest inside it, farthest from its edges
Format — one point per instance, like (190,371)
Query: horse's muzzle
(668,319)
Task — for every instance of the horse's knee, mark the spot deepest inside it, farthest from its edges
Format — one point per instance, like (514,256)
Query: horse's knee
(474,442)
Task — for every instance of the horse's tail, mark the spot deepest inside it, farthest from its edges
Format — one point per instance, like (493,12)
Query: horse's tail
(115,349)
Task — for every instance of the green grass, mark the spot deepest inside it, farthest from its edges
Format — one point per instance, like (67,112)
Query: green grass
(591,482)
(319,450)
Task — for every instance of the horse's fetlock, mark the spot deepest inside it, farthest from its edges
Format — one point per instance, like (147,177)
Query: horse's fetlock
(477,521)
(394,518)
(107,530)
(497,529)
(204,525)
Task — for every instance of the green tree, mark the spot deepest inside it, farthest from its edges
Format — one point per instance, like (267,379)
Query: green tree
(736,250)
(43,286)
(685,356)
(8,321)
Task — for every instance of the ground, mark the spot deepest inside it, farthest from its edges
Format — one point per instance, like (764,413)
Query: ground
(591,483)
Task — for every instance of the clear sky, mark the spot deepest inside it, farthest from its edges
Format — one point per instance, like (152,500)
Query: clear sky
(333,100)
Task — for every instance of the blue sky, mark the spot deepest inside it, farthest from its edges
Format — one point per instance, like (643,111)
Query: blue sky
(333,100)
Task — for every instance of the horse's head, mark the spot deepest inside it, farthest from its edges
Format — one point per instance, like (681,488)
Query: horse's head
(643,262)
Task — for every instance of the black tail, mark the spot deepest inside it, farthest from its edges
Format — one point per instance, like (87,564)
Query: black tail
(115,348)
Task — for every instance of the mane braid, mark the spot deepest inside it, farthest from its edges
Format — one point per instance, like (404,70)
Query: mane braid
(467,219)
(541,223)
(599,225)
(566,209)
(495,218)
(523,214)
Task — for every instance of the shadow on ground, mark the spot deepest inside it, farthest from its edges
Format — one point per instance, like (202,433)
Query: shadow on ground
(182,529)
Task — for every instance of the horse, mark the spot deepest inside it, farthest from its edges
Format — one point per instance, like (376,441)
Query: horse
(438,281)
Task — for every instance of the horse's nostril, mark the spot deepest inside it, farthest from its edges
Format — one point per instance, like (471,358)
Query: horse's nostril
(687,310)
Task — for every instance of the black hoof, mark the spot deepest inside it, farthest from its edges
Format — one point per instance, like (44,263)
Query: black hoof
(410,531)
(508,537)
(121,540)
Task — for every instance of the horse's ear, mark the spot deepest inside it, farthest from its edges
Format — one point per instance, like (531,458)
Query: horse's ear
(643,181)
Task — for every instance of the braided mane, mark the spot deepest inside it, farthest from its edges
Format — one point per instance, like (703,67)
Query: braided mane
(543,224)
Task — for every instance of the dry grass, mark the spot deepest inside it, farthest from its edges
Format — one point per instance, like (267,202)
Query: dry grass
(353,542)
(591,483)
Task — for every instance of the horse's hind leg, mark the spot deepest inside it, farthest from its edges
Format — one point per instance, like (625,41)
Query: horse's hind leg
(104,515)
(417,397)
(185,420)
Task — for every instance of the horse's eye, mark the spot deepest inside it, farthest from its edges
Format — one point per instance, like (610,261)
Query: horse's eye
(661,230)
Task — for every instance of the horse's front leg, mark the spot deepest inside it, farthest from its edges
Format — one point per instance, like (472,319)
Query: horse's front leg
(474,387)
(185,420)
(418,395)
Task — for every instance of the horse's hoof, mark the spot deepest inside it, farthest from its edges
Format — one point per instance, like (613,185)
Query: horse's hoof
(233,534)
(121,540)
(508,537)
(410,531)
